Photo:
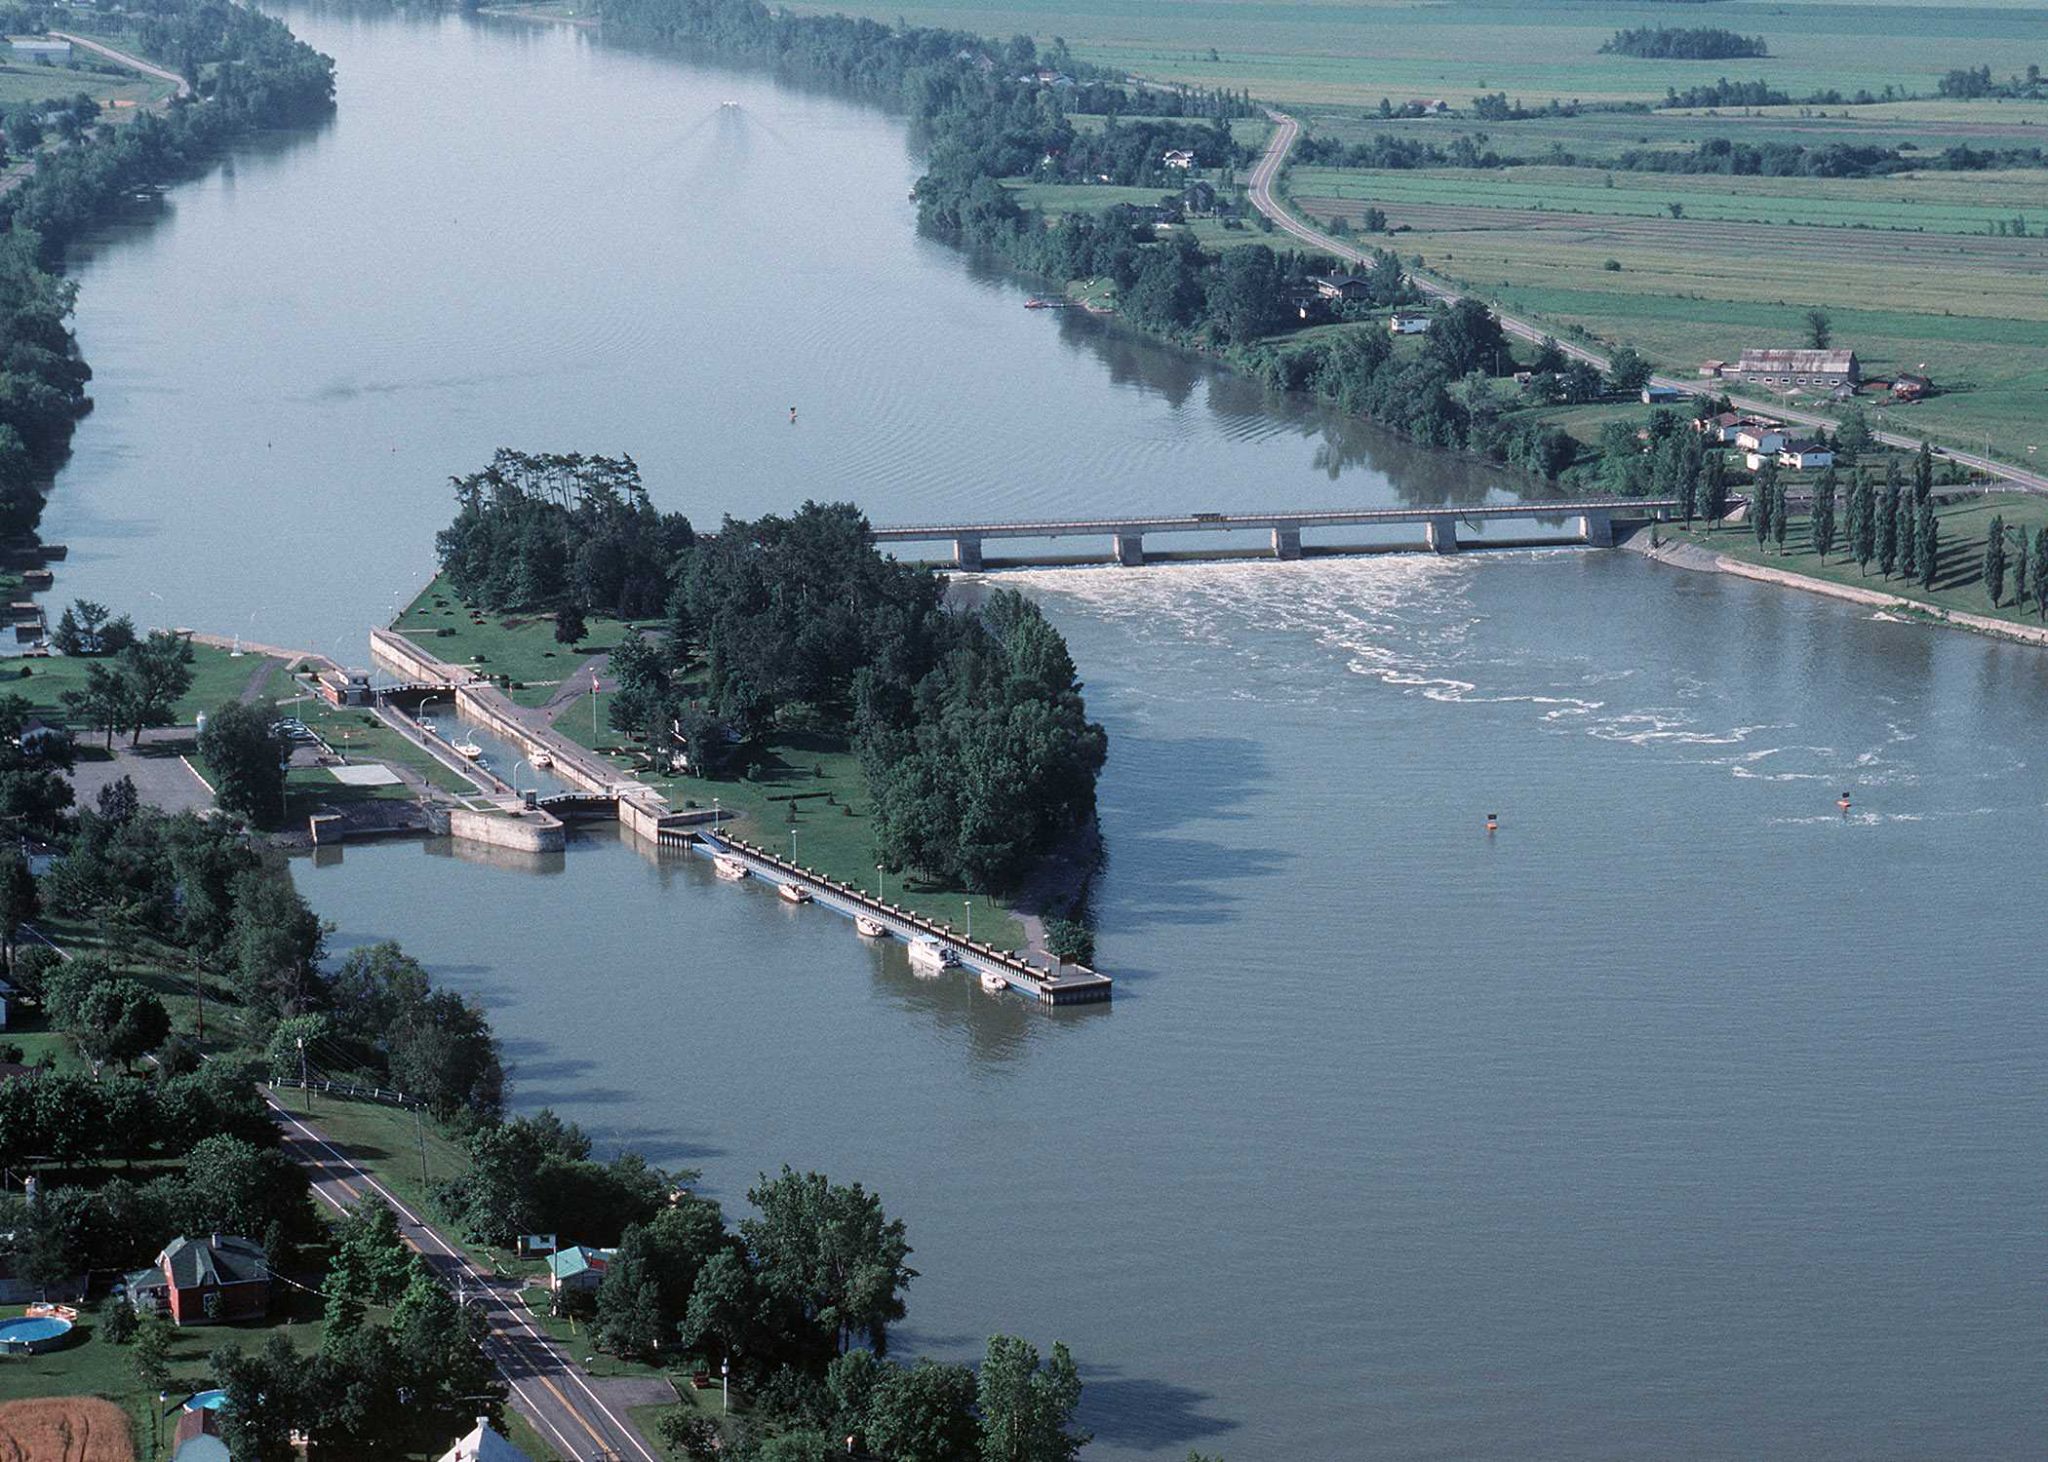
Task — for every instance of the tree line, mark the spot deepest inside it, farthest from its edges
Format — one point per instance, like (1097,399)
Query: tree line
(1683,43)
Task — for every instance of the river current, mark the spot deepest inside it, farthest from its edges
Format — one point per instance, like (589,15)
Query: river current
(1684,1115)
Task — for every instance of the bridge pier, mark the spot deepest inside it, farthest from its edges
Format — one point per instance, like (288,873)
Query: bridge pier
(1597,529)
(1287,543)
(967,554)
(1440,532)
(1130,549)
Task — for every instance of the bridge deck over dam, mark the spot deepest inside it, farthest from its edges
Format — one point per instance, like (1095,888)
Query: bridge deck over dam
(1591,522)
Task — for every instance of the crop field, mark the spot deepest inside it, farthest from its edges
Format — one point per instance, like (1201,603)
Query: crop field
(1970,308)
(1345,52)
(1055,199)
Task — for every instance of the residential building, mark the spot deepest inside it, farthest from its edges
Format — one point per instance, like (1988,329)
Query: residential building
(1400,324)
(1758,436)
(196,1437)
(1343,287)
(40,48)
(577,1267)
(1175,158)
(1805,456)
(1654,395)
(1906,386)
(1793,370)
(205,1281)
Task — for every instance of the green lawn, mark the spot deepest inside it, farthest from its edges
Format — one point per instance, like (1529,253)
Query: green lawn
(1959,580)
(818,780)
(33,83)
(218,676)
(521,646)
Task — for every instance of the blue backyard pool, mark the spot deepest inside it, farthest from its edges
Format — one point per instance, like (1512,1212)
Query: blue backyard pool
(33,1334)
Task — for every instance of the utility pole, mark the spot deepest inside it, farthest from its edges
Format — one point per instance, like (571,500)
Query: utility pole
(304,1085)
(419,1124)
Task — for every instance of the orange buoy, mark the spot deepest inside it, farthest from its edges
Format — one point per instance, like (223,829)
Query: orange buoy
(1843,802)
(1492,821)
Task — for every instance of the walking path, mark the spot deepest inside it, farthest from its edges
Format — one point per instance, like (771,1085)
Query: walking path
(134,63)
(548,1388)
(1286,130)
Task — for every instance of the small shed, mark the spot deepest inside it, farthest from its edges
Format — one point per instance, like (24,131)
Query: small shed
(577,1267)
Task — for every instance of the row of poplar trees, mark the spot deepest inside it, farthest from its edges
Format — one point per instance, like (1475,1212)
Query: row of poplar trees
(1894,525)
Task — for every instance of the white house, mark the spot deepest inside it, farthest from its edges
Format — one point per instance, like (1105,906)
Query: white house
(1399,324)
(1175,158)
(1805,456)
(1756,436)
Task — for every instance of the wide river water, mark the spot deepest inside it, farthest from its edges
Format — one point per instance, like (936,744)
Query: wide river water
(1683,1116)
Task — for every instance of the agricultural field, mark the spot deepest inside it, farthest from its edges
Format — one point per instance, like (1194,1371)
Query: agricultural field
(1341,52)
(1904,284)
(64,1429)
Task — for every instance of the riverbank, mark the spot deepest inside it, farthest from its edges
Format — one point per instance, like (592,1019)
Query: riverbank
(1681,553)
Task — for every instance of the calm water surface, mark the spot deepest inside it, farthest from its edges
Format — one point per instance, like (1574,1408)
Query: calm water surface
(1684,1116)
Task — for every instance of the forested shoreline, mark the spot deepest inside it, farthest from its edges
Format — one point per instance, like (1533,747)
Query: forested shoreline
(247,72)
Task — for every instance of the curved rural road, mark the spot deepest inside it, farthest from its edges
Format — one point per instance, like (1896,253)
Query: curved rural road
(1285,132)
(134,63)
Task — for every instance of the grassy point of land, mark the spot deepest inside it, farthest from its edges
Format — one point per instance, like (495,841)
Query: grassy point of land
(217,678)
(521,646)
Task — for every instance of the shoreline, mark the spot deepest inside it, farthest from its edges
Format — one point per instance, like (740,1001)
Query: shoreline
(1694,558)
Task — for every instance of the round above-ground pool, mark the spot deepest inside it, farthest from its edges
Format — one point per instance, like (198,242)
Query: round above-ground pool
(207,1401)
(33,1334)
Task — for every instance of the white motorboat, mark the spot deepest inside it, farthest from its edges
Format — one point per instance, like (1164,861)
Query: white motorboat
(868,928)
(728,866)
(795,893)
(469,750)
(994,983)
(541,760)
(929,957)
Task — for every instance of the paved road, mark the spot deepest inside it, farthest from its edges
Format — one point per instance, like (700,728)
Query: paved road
(1286,130)
(549,1389)
(134,63)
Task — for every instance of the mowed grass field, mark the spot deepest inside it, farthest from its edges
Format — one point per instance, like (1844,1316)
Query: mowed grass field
(1346,52)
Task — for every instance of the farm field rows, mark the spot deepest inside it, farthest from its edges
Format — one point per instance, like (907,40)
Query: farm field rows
(1324,51)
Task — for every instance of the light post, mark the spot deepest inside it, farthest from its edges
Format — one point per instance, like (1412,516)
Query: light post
(970,921)
(156,1422)
(304,1085)
(878,883)
(792,845)
(593,708)
(725,1385)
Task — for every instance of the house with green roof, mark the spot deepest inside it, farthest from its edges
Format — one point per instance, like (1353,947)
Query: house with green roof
(577,1267)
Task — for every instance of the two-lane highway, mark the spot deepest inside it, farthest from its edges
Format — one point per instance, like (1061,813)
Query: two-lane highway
(548,1388)
(1286,130)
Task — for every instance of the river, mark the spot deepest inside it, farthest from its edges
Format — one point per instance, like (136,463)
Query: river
(1685,1115)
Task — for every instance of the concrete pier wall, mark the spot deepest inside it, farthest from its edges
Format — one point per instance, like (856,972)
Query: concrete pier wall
(524,832)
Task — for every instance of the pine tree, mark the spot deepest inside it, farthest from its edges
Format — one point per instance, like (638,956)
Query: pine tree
(1994,560)
(1866,526)
(1930,547)
(1888,528)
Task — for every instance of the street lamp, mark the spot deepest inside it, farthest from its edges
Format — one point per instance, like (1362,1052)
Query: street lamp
(878,883)
(970,921)
(725,1385)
